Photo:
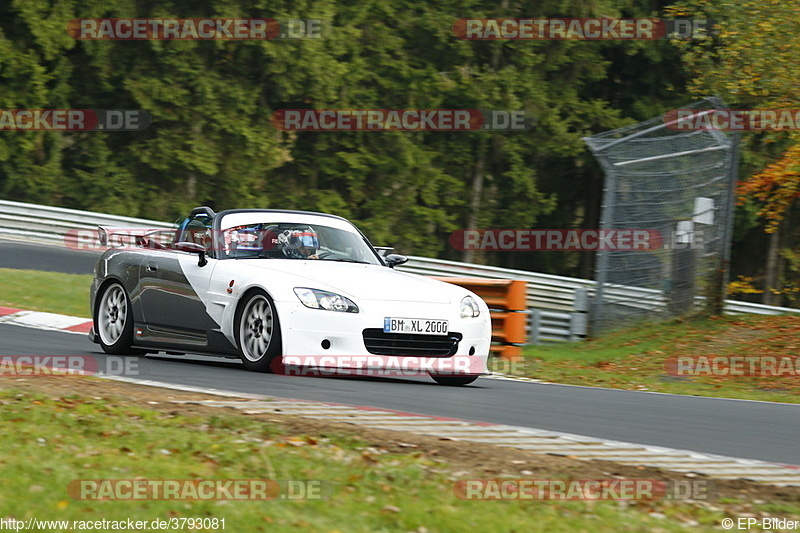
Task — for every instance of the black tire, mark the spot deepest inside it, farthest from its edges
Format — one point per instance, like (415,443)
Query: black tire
(258,332)
(453,381)
(113,320)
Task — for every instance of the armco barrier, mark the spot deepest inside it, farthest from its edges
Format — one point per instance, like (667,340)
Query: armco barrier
(508,308)
(52,224)
(557,303)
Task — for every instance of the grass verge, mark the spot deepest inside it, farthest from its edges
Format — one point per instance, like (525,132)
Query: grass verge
(643,358)
(53,292)
(55,437)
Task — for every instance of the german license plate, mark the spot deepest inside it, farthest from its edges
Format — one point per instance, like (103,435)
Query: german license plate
(420,326)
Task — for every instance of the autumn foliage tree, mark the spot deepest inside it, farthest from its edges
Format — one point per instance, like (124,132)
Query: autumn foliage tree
(751,61)
(776,188)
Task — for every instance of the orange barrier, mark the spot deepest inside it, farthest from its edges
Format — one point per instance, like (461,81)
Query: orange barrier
(507,303)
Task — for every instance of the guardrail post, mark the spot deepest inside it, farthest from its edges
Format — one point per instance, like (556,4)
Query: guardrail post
(581,304)
(536,325)
(578,323)
(577,326)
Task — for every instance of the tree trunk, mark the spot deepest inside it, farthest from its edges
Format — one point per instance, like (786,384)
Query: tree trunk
(191,187)
(771,273)
(475,202)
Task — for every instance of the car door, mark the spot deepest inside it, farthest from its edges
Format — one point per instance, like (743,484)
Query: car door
(173,290)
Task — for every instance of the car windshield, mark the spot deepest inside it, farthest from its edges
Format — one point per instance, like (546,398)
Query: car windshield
(293,240)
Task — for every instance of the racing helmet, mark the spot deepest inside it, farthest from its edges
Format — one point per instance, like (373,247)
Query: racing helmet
(299,243)
(198,232)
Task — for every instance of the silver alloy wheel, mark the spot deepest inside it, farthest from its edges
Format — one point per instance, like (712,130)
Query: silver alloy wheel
(256,328)
(112,315)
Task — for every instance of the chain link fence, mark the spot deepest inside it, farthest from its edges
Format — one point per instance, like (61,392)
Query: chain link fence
(678,182)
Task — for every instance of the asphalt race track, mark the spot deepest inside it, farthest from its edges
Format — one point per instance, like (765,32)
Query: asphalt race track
(16,254)
(753,430)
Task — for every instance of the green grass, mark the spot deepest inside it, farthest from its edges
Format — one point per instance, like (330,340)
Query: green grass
(634,358)
(54,292)
(51,441)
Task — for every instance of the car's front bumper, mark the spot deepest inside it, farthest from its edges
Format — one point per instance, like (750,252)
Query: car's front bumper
(339,336)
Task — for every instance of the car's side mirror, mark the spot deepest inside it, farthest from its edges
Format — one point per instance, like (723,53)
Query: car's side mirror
(392,260)
(193,248)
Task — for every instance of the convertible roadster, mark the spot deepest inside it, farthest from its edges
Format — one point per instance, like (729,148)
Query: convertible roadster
(263,285)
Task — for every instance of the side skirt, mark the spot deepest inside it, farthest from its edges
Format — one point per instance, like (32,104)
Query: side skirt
(169,340)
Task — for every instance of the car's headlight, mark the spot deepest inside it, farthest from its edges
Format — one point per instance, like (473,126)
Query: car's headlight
(469,307)
(317,299)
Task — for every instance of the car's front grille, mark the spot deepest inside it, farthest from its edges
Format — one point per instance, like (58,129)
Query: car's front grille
(380,343)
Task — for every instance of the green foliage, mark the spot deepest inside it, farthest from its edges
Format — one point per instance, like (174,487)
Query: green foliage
(211,141)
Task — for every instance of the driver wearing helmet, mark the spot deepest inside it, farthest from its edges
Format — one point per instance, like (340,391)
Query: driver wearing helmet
(198,232)
(299,243)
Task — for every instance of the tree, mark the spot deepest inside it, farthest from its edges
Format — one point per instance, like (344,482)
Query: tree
(211,140)
(751,62)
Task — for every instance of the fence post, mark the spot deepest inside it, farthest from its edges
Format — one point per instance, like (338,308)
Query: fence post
(723,274)
(603,256)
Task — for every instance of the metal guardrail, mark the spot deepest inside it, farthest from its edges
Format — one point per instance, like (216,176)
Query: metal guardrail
(48,223)
(734,307)
(552,326)
(545,291)
(557,304)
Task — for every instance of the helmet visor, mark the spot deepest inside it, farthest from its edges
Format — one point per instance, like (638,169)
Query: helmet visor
(305,239)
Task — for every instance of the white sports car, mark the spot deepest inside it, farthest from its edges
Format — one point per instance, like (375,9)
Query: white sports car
(274,286)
